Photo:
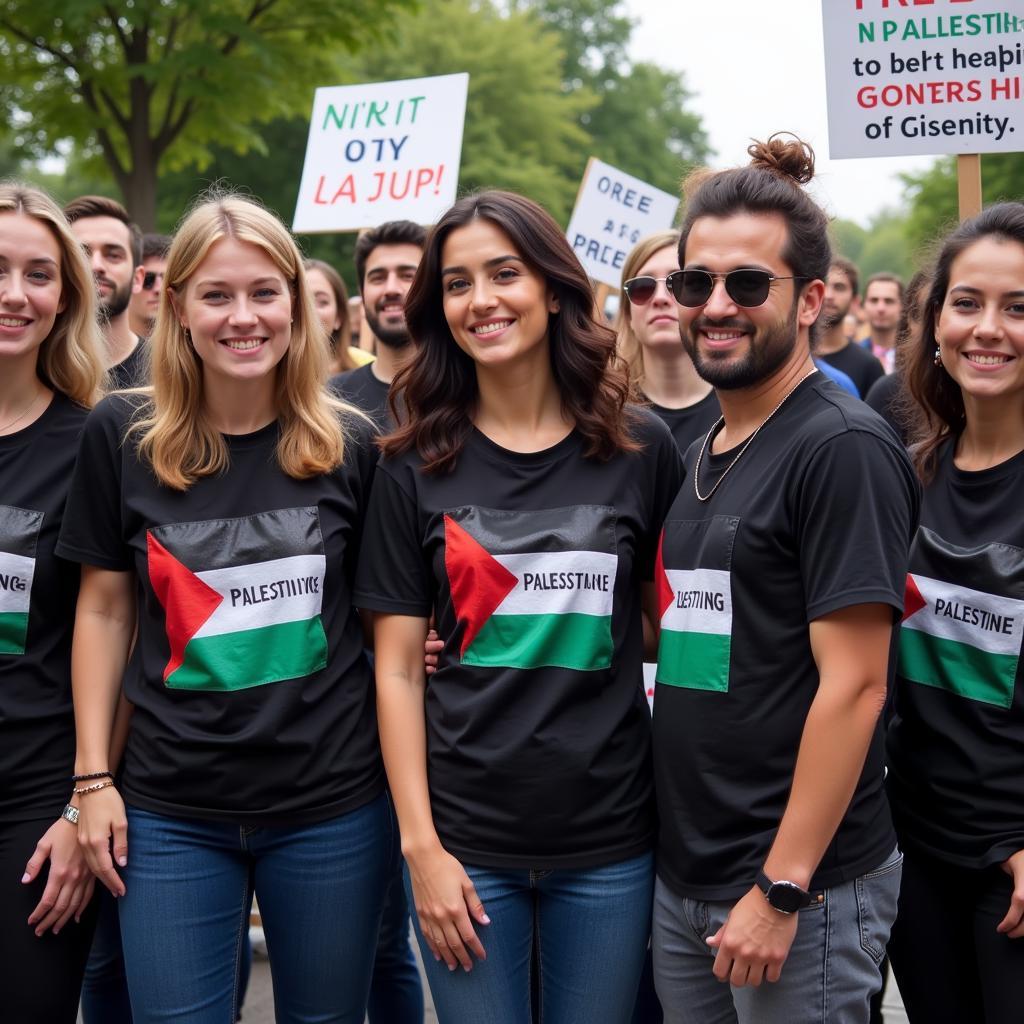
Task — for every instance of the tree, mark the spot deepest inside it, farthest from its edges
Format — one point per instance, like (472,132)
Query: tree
(641,122)
(933,194)
(149,85)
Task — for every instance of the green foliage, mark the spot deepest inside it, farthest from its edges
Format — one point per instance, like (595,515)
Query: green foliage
(933,194)
(883,245)
(522,128)
(150,85)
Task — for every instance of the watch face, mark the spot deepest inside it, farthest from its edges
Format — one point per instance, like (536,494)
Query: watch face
(787,897)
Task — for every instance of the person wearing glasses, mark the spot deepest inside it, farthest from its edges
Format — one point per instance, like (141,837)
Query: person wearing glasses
(520,499)
(661,373)
(779,587)
(149,280)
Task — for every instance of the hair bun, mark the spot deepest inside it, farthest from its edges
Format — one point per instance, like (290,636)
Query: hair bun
(785,155)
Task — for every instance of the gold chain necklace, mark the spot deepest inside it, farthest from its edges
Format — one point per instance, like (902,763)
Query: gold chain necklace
(21,415)
(746,444)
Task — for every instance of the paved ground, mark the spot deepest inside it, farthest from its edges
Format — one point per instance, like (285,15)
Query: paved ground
(259,1007)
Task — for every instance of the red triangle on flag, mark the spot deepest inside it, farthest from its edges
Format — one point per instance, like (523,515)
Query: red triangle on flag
(478,582)
(187,601)
(666,595)
(913,602)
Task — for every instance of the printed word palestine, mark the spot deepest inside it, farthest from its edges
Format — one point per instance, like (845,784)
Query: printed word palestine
(701,600)
(974,616)
(296,587)
(566,581)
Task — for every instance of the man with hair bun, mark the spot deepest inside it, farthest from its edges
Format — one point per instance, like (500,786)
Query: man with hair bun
(779,585)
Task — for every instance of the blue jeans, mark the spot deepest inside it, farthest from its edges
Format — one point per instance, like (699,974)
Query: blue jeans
(832,970)
(396,992)
(185,915)
(585,929)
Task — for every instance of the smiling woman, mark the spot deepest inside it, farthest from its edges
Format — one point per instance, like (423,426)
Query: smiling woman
(50,372)
(522,499)
(230,496)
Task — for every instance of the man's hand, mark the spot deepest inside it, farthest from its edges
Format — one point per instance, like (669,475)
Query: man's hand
(753,943)
(1013,924)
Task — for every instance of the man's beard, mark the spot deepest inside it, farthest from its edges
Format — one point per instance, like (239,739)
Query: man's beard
(390,337)
(830,320)
(116,302)
(767,350)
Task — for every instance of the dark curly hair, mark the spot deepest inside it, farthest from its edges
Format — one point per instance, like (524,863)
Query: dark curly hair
(434,397)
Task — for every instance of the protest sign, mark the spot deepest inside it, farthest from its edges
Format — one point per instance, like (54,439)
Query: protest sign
(613,212)
(930,77)
(382,151)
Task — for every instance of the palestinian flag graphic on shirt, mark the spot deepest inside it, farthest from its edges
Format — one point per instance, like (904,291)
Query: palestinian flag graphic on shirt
(19,530)
(695,644)
(241,599)
(533,589)
(964,636)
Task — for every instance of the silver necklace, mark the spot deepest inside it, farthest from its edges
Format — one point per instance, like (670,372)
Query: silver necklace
(21,415)
(746,444)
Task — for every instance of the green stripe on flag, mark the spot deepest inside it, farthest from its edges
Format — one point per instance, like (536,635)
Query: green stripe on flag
(694,661)
(252,657)
(13,632)
(957,668)
(580,642)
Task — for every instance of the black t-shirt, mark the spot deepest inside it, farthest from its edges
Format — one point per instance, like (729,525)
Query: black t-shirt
(815,516)
(37,612)
(131,371)
(253,695)
(858,364)
(690,423)
(538,732)
(361,388)
(956,739)
(886,397)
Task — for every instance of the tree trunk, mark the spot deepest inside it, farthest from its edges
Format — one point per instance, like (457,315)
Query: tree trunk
(139,189)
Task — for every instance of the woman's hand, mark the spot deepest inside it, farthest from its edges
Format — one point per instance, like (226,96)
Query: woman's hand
(70,883)
(101,819)
(432,648)
(1013,924)
(446,905)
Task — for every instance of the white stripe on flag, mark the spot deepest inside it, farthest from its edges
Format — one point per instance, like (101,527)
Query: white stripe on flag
(550,583)
(702,602)
(16,573)
(986,621)
(265,593)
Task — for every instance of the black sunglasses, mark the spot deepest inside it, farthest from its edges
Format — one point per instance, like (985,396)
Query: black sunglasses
(694,287)
(640,290)
(149,279)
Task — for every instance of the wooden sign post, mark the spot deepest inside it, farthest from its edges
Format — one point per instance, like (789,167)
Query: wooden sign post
(968,173)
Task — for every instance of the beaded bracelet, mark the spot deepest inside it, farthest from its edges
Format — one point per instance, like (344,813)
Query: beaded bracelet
(93,788)
(91,776)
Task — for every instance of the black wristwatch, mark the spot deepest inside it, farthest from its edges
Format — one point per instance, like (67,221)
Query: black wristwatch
(785,897)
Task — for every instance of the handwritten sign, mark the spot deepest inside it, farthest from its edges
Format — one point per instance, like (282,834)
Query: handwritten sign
(382,151)
(909,77)
(613,212)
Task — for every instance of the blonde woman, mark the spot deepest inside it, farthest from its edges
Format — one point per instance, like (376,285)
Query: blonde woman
(222,508)
(50,373)
(661,374)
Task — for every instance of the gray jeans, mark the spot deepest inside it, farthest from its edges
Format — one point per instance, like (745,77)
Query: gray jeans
(828,978)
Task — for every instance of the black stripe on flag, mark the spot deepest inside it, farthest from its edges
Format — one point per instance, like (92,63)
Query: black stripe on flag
(577,528)
(19,530)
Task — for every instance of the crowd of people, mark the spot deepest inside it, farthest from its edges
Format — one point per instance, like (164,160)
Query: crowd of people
(363,634)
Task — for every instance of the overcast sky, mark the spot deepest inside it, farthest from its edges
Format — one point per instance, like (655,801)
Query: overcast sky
(757,67)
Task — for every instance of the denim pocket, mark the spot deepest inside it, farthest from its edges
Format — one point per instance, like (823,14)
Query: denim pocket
(877,894)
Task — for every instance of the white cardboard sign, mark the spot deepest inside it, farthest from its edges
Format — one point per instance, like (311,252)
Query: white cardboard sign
(613,212)
(917,77)
(382,151)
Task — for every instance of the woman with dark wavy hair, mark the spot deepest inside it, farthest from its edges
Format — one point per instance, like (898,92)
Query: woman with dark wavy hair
(521,503)
(956,740)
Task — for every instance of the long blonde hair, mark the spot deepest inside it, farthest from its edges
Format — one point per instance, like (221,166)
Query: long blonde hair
(174,434)
(626,341)
(71,358)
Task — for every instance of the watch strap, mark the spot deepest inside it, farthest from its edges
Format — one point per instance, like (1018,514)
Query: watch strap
(70,814)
